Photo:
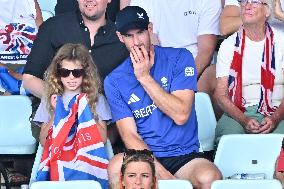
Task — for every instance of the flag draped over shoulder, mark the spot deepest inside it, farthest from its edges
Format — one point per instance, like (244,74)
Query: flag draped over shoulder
(265,106)
(74,149)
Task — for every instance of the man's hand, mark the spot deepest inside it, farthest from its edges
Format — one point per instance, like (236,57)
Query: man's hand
(142,61)
(267,125)
(251,125)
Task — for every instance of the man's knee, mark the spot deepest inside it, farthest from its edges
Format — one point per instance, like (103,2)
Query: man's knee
(209,175)
(114,167)
(205,177)
(200,172)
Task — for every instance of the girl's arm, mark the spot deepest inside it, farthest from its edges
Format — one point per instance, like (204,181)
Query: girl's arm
(46,126)
(102,129)
(44,131)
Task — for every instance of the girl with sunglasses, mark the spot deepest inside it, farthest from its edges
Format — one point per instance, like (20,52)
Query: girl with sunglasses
(138,170)
(72,71)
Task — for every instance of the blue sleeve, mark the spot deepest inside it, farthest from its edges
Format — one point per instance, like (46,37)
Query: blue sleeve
(119,108)
(184,72)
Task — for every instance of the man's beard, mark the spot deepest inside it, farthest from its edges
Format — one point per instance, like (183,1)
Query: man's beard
(92,18)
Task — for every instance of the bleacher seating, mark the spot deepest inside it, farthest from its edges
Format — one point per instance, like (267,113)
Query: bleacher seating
(46,14)
(15,129)
(246,184)
(79,184)
(47,5)
(248,153)
(171,184)
(206,121)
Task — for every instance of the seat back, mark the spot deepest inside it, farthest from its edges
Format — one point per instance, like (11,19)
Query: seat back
(46,14)
(170,184)
(248,153)
(36,164)
(78,184)
(109,149)
(206,121)
(15,129)
(47,5)
(246,184)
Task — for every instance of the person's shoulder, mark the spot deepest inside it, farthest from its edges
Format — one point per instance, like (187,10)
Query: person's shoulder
(110,25)
(62,19)
(231,38)
(278,37)
(169,50)
(172,52)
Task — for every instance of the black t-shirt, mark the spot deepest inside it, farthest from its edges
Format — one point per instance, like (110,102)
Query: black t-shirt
(108,52)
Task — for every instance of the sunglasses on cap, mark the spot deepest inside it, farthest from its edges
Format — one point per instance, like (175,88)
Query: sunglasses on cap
(132,152)
(254,2)
(63,72)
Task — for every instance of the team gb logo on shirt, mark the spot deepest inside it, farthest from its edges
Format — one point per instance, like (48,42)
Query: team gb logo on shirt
(189,71)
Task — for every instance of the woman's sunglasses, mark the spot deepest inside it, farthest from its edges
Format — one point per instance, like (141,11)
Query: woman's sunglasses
(63,72)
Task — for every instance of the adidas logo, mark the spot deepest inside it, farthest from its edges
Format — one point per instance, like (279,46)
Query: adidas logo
(133,98)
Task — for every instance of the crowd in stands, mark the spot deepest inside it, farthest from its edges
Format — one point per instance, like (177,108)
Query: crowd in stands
(128,70)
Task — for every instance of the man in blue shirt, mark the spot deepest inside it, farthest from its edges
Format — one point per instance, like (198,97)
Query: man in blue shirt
(151,95)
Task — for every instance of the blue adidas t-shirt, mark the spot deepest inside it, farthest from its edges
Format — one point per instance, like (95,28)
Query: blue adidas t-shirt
(173,69)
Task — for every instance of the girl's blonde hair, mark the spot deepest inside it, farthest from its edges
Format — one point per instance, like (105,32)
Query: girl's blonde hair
(91,84)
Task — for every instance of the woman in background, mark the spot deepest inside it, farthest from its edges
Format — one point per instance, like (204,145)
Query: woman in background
(138,170)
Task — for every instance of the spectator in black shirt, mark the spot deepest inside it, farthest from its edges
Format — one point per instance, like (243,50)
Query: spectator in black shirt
(88,26)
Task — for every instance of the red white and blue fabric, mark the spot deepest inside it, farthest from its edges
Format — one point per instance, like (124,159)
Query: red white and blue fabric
(74,149)
(265,106)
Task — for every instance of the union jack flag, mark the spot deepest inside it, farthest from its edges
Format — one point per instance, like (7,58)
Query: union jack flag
(74,149)
(235,76)
(265,106)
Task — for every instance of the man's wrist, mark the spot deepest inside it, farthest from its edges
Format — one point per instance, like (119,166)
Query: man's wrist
(145,79)
(275,119)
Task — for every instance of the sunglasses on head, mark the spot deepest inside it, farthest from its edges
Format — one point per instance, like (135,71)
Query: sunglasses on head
(132,152)
(63,72)
(254,2)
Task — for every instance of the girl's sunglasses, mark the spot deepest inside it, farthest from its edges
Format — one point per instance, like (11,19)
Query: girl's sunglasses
(63,72)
